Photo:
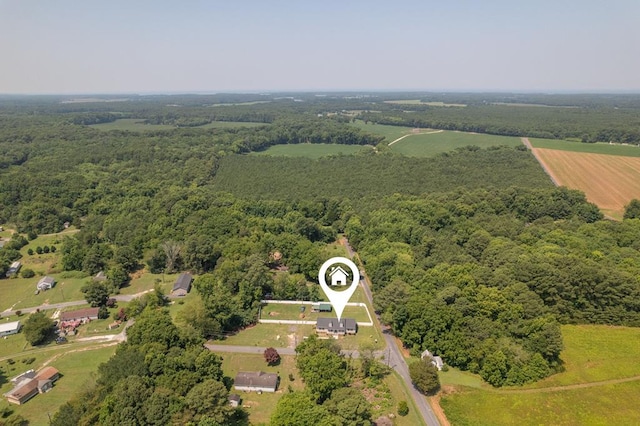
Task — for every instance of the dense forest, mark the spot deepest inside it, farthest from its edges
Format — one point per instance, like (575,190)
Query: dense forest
(473,254)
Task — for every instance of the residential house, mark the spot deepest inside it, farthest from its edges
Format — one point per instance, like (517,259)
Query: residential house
(334,327)
(182,285)
(46,283)
(9,328)
(436,361)
(321,307)
(14,268)
(338,276)
(258,381)
(86,314)
(29,384)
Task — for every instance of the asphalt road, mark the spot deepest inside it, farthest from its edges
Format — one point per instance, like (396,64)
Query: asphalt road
(396,360)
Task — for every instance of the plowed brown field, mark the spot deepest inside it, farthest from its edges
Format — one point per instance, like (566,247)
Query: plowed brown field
(609,181)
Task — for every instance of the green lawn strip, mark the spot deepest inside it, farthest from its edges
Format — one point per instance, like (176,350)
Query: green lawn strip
(398,392)
(461,378)
(429,145)
(21,291)
(261,406)
(594,148)
(77,371)
(312,150)
(602,405)
(144,280)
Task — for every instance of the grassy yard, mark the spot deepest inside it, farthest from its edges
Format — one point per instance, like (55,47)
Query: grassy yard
(260,407)
(592,354)
(275,311)
(312,150)
(264,335)
(595,148)
(429,145)
(78,369)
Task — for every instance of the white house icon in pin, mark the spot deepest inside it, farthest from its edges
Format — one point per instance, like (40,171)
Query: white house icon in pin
(338,276)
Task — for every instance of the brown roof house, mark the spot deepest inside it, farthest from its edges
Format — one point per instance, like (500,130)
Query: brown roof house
(258,381)
(182,285)
(29,384)
(80,314)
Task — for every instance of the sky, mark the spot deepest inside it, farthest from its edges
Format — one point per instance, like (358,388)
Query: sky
(141,46)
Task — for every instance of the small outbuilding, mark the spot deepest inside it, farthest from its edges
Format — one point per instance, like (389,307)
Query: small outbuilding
(46,283)
(14,268)
(321,307)
(234,400)
(182,285)
(257,381)
(9,328)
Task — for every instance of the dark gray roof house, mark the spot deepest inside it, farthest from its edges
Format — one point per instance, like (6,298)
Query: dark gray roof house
(258,381)
(182,285)
(337,328)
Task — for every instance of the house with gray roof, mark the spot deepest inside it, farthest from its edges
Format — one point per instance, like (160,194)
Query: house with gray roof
(182,285)
(335,327)
(258,381)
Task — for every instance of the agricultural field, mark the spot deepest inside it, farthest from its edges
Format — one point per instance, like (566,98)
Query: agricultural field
(609,181)
(390,133)
(313,150)
(594,148)
(600,385)
(77,367)
(431,143)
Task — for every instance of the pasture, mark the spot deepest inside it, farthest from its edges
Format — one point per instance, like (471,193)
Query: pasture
(430,143)
(313,150)
(600,385)
(390,133)
(609,181)
(594,148)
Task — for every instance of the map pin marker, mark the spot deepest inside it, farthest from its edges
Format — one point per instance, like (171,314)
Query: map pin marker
(339,278)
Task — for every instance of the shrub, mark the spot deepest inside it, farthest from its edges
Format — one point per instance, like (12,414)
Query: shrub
(27,273)
(39,250)
(31,235)
(28,361)
(45,249)
(53,249)
(403,408)
(30,252)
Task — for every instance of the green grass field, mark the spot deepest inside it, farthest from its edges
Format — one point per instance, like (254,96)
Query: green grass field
(78,369)
(594,148)
(390,133)
(429,145)
(312,150)
(592,354)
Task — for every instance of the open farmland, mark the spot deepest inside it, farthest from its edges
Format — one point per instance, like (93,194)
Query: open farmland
(428,144)
(609,181)
(599,386)
(594,148)
(313,150)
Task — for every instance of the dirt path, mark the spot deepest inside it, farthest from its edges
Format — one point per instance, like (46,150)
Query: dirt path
(544,166)
(413,134)
(434,401)
(568,387)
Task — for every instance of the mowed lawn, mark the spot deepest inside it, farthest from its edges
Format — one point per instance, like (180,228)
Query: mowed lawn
(591,391)
(429,144)
(281,311)
(609,181)
(313,150)
(78,371)
(261,406)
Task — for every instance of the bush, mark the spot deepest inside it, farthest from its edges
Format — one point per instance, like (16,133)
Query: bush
(403,408)
(28,361)
(53,249)
(30,252)
(45,249)
(18,313)
(31,235)
(39,250)
(103,312)
(27,273)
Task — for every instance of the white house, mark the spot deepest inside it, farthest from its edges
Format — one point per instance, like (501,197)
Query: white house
(9,328)
(258,381)
(46,283)
(436,361)
(338,276)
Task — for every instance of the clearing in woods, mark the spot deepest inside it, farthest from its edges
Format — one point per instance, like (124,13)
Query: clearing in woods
(609,181)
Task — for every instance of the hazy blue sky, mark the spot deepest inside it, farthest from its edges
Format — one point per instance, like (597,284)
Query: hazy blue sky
(115,46)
